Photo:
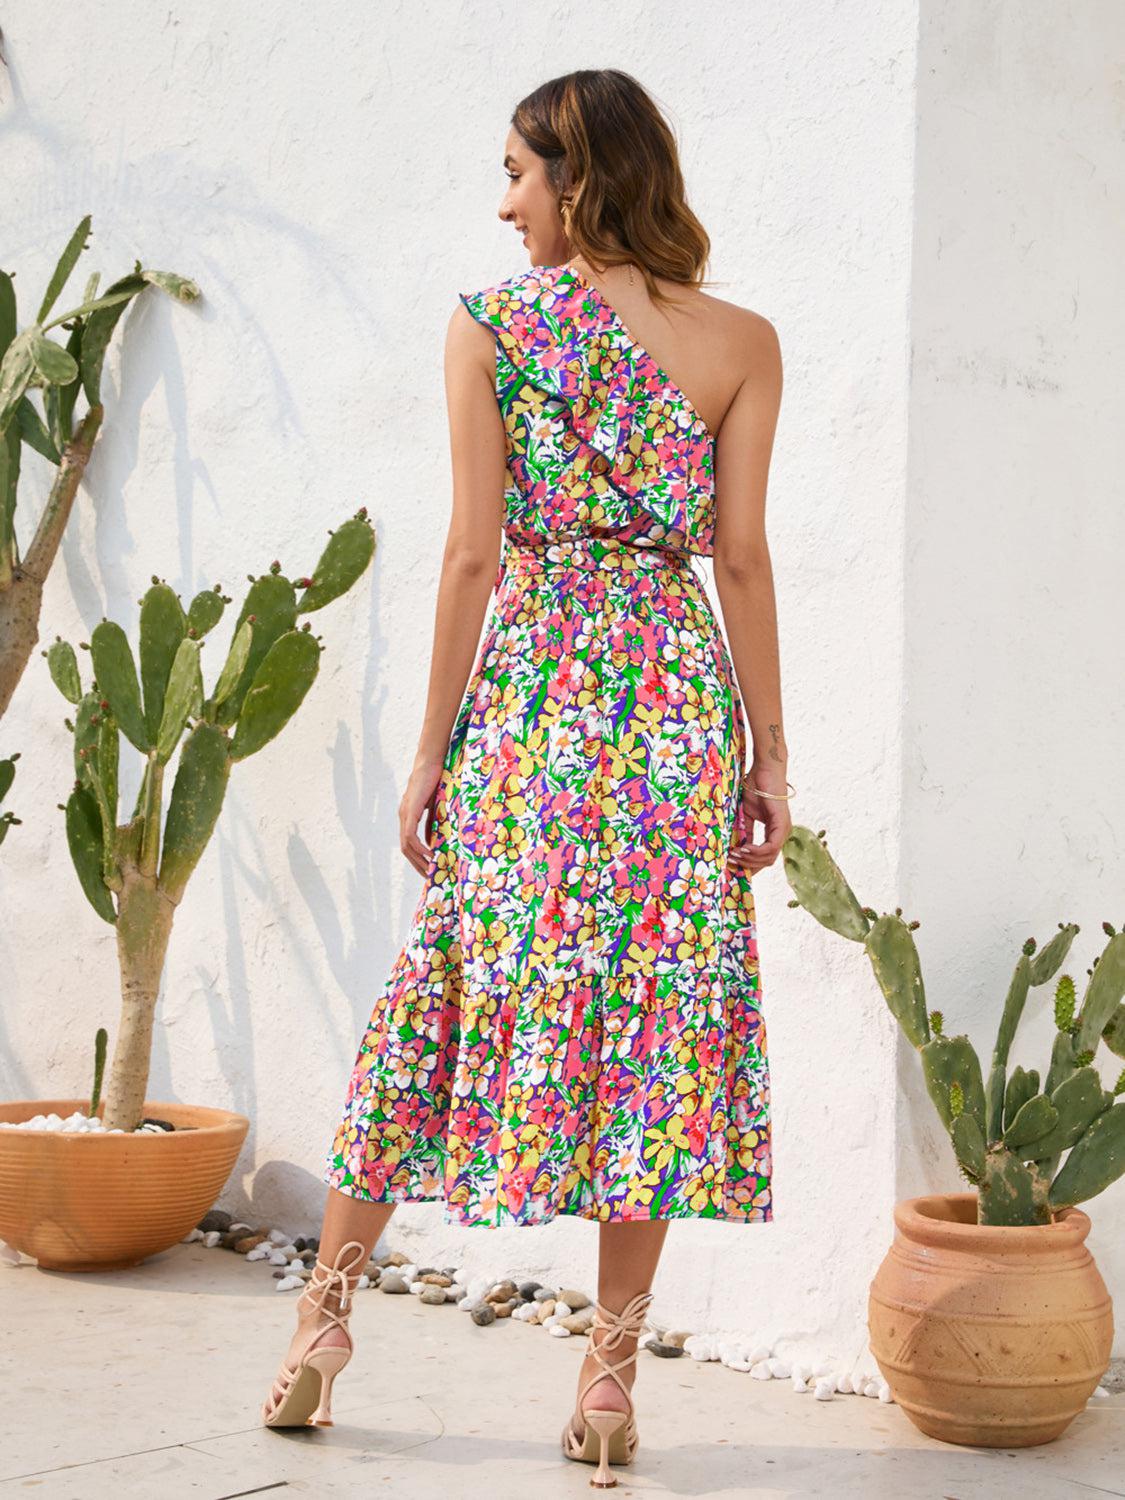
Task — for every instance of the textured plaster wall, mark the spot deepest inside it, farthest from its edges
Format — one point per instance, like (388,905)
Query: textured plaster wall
(331,180)
(1013,800)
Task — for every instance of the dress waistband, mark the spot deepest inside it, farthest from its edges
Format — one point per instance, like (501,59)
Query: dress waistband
(607,554)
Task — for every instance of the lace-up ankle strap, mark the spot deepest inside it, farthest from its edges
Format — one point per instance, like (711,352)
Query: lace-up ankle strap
(345,1270)
(629,1321)
(617,1326)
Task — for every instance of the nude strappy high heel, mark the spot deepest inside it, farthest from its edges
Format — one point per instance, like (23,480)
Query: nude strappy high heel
(609,1436)
(306,1387)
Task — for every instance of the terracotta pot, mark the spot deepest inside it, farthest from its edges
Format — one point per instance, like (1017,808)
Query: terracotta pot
(81,1202)
(989,1335)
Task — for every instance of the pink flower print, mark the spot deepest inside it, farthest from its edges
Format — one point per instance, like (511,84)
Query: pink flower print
(407,1112)
(647,930)
(568,679)
(375,1174)
(559,914)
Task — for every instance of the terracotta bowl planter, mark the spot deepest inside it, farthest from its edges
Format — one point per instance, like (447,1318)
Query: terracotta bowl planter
(79,1202)
(989,1335)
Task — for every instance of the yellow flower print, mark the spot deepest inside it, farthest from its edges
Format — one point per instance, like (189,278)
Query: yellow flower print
(511,843)
(697,945)
(628,757)
(704,1189)
(642,1190)
(658,1148)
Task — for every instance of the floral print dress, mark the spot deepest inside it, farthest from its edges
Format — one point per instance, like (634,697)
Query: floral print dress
(573,1024)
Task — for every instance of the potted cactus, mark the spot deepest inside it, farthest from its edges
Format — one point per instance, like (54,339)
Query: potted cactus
(988,1317)
(110,1197)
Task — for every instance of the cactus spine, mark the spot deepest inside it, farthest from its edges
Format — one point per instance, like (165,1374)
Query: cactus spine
(134,872)
(1007,1136)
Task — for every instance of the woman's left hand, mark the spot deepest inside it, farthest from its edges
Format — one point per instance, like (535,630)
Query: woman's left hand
(419,798)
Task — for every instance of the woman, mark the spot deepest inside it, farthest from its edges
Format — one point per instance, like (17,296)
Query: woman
(573,1023)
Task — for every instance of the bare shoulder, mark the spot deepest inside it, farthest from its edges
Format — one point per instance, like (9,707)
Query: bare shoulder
(747,339)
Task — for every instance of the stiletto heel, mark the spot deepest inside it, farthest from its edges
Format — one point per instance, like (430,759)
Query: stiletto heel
(605,1424)
(328,1362)
(609,1436)
(299,1404)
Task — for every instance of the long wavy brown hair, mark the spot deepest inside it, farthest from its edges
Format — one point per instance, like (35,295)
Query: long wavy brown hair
(612,160)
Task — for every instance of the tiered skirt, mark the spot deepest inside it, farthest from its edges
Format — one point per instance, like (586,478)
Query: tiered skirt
(573,1024)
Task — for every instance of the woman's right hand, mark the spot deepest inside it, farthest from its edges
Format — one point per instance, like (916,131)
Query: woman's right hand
(419,798)
(771,812)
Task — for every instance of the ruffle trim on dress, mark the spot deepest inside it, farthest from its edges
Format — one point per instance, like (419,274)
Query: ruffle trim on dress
(568,344)
(603,1100)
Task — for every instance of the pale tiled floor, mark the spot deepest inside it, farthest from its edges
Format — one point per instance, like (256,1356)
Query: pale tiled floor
(147,1383)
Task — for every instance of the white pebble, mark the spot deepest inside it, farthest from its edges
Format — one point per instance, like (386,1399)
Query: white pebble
(461,1276)
(760,1370)
(277,1259)
(871,1388)
(559,1332)
(288,1283)
(249,1228)
(800,1384)
(1100,1390)
(698,1346)
(296,1264)
(364,1280)
(259,1252)
(822,1369)
(191,1237)
(844,1384)
(563,1309)
(741,1365)
(408,1272)
(648,1337)
(453,1294)
(418,1287)
(825,1388)
(211,1239)
(779,1369)
(278,1237)
(885,1392)
(758,1353)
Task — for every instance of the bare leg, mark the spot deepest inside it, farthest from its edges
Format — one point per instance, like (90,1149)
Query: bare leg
(345,1219)
(628,1254)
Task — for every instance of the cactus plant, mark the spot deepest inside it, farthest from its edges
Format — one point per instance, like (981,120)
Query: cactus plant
(134,872)
(30,361)
(1008,1136)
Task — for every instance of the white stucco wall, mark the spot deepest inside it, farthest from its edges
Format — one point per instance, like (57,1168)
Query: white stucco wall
(331,181)
(1013,800)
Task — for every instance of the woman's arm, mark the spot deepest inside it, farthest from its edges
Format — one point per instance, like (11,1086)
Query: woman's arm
(469,562)
(744,580)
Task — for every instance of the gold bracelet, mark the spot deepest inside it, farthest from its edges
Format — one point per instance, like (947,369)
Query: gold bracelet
(779,796)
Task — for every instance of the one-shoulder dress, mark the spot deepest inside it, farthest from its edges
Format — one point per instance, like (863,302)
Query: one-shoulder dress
(573,1024)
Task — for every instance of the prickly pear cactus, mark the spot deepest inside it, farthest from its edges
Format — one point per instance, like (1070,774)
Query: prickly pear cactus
(1008,1137)
(135,870)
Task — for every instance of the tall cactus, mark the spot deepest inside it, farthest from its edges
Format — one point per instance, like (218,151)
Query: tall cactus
(134,870)
(1007,1136)
(29,362)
